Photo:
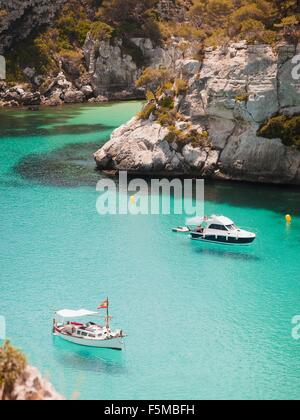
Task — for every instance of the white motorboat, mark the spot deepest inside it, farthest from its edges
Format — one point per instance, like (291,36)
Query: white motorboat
(68,326)
(220,229)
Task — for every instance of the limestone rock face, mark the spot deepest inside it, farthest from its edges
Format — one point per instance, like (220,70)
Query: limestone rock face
(72,96)
(23,16)
(113,71)
(248,82)
(143,147)
(230,94)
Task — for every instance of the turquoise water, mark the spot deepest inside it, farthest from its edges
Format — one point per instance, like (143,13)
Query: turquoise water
(203,321)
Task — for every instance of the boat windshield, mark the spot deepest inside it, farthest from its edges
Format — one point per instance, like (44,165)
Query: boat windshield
(231,227)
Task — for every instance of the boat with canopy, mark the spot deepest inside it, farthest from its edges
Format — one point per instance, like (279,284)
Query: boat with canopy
(71,326)
(219,229)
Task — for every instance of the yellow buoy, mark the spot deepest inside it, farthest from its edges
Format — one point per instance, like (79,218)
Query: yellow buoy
(288,218)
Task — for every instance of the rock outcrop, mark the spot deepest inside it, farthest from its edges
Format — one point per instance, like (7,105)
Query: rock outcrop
(114,71)
(144,147)
(54,92)
(31,386)
(173,9)
(106,71)
(20,17)
(230,94)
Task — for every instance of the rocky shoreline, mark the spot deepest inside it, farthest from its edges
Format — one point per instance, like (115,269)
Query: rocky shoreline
(103,71)
(230,95)
(231,91)
(59,92)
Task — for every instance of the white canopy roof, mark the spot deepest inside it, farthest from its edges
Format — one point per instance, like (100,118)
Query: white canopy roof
(222,220)
(195,221)
(70,314)
(213,219)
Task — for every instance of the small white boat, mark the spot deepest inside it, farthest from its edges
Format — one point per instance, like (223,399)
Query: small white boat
(220,229)
(181,229)
(67,326)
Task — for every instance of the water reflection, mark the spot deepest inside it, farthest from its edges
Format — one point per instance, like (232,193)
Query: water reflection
(87,359)
(243,253)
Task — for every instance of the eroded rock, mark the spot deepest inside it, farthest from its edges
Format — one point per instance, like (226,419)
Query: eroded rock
(230,94)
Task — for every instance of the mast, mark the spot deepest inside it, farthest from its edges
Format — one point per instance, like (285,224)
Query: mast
(107,314)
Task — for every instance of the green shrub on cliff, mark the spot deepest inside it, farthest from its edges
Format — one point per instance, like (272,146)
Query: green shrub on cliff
(283,127)
(3,14)
(181,86)
(100,30)
(184,137)
(12,365)
(35,52)
(73,24)
(131,18)
(253,20)
(152,79)
(147,110)
(180,30)
(289,27)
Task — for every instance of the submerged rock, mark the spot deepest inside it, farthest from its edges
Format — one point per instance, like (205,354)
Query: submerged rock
(71,166)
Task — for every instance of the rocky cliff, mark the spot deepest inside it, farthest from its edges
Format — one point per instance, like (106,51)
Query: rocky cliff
(50,63)
(229,95)
(113,70)
(106,70)
(19,18)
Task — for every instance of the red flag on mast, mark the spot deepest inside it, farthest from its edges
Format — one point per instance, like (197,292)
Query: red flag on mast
(104,305)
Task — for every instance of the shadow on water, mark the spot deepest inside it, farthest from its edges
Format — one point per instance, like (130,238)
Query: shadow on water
(71,166)
(74,166)
(16,124)
(280,199)
(243,253)
(55,130)
(88,359)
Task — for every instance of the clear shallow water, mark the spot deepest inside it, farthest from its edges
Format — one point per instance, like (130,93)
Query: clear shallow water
(203,321)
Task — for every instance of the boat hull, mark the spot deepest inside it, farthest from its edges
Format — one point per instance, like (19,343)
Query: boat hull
(226,240)
(181,230)
(113,343)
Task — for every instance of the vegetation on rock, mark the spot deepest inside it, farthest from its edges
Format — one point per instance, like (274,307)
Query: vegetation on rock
(162,93)
(131,18)
(283,127)
(12,366)
(208,22)
(253,20)
(153,80)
